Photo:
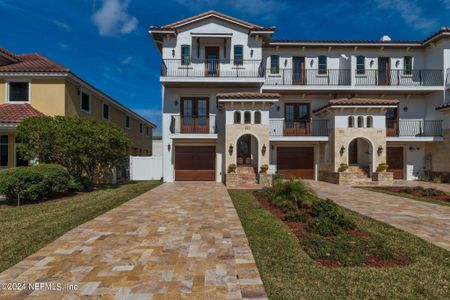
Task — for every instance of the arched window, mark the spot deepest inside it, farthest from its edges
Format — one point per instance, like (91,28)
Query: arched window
(247,117)
(369,122)
(237,117)
(360,122)
(351,122)
(257,117)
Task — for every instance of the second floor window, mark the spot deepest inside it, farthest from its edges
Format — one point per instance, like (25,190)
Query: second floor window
(127,122)
(360,65)
(106,111)
(322,64)
(141,128)
(85,102)
(407,65)
(19,92)
(185,54)
(238,55)
(274,64)
(296,113)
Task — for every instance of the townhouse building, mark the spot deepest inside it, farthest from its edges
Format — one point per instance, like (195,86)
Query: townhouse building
(233,95)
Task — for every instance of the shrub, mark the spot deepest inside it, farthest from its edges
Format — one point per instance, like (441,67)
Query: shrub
(264,168)
(343,166)
(432,192)
(407,190)
(382,167)
(323,226)
(327,209)
(232,168)
(297,216)
(437,179)
(33,183)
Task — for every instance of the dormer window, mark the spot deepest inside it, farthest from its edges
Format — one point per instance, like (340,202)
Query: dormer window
(322,65)
(238,55)
(274,64)
(407,65)
(185,55)
(18,91)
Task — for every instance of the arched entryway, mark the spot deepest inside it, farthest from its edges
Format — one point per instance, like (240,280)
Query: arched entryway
(360,153)
(247,150)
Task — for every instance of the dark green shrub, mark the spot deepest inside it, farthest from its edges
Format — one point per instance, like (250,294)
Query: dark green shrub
(323,226)
(81,184)
(432,192)
(329,210)
(406,190)
(297,216)
(283,204)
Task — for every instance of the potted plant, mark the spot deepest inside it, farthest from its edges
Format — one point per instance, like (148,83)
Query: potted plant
(382,167)
(232,168)
(264,168)
(343,167)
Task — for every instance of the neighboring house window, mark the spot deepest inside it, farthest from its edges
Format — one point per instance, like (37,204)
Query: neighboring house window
(369,122)
(106,113)
(237,117)
(351,122)
(274,64)
(19,92)
(360,122)
(3,151)
(407,65)
(247,117)
(148,131)
(185,54)
(322,64)
(85,102)
(238,55)
(127,122)
(141,130)
(360,65)
(257,117)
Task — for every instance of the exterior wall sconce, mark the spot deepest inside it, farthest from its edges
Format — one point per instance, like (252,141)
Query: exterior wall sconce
(397,63)
(263,149)
(278,108)
(380,150)
(230,149)
(405,108)
(168,147)
(176,102)
(173,52)
(371,63)
(342,150)
(311,63)
(285,62)
(251,53)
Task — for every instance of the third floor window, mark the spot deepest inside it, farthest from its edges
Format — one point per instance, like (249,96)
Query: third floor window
(322,64)
(274,64)
(407,65)
(238,55)
(185,54)
(360,65)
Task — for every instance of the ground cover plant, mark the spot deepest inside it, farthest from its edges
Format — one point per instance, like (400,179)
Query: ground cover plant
(416,193)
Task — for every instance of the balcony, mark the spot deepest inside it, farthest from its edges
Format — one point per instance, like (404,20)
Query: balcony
(413,128)
(212,68)
(193,124)
(330,77)
(417,77)
(280,127)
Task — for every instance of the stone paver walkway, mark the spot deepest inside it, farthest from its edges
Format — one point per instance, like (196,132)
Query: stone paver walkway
(177,241)
(426,220)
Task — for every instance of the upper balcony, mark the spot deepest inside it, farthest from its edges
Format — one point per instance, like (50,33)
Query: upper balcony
(195,126)
(413,128)
(299,129)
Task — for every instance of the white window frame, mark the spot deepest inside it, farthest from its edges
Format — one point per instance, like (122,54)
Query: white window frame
(129,122)
(81,102)
(7,89)
(103,111)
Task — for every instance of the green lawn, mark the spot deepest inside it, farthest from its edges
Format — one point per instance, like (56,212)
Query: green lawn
(409,196)
(26,229)
(289,273)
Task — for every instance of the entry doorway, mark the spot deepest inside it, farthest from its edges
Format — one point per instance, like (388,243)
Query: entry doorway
(360,153)
(298,70)
(244,150)
(212,64)
(384,71)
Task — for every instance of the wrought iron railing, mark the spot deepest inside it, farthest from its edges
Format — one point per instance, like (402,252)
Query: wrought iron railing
(414,127)
(308,77)
(399,77)
(212,68)
(193,124)
(281,127)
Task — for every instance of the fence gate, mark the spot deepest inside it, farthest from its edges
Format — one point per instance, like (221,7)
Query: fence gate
(145,167)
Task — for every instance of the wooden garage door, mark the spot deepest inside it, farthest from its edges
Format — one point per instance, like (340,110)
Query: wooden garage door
(295,162)
(394,158)
(195,163)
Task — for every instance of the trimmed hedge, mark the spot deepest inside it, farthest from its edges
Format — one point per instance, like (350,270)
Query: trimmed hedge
(34,182)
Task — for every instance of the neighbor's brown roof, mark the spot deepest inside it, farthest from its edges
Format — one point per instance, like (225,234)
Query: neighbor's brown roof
(16,113)
(443,106)
(248,95)
(9,55)
(358,101)
(33,63)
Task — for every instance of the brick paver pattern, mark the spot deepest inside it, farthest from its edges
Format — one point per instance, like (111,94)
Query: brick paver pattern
(177,241)
(426,220)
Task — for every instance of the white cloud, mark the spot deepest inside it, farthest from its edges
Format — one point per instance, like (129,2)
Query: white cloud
(127,60)
(113,19)
(446,3)
(61,25)
(63,46)
(152,114)
(410,12)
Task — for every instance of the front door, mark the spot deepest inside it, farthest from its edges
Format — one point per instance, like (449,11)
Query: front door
(353,152)
(394,158)
(212,61)
(298,70)
(244,150)
(384,71)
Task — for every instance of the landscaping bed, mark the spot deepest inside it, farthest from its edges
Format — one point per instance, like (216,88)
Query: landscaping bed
(416,193)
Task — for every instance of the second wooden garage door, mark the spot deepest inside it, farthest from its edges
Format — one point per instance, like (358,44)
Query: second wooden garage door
(195,163)
(394,158)
(295,162)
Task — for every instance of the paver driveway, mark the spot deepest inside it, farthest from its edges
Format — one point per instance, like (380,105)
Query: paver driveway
(177,241)
(426,220)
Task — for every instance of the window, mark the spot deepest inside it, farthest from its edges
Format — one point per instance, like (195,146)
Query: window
(238,55)
(247,117)
(19,92)
(360,122)
(407,65)
(351,122)
(141,128)
(369,122)
(85,102)
(237,117)
(296,113)
(106,112)
(127,122)
(322,64)
(185,54)
(257,117)
(3,151)
(274,64)
(148,131)
(360,65)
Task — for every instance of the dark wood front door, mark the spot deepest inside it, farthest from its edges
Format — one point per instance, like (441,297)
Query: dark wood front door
(298,70)
(353,152)
(384,71)
(392,122)
(394,158)
(244,150)
(195,163)
(212,65)
(295,162)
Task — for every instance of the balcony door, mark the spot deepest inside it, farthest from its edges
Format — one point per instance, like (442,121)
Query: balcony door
(298,70)
(392,121)
(195,115)
(384,71)
(212,61)
(296,119)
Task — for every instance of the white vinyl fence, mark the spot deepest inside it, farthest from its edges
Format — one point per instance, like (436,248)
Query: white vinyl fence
(145,167)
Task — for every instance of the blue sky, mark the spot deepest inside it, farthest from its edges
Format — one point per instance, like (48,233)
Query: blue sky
(106,41)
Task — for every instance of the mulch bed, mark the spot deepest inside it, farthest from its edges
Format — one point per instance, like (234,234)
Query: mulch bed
(299,229)
(416,193)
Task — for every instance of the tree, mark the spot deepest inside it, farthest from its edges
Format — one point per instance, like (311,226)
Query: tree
(84,147)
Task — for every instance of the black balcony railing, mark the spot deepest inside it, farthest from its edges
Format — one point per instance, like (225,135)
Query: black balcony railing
(414,77)
(212,68)
(281,127)
(309,77)
(411,128)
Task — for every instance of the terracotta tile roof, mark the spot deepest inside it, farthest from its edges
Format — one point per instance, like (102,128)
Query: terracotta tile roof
(9,55)
(443,106)
(358,102)
(248,95)
(33,63)
(16,113)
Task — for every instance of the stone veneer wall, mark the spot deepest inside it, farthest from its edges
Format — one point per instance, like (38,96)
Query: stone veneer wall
(440,156)
(383,178)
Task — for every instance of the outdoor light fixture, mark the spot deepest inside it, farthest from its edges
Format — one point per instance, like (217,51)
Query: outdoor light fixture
(405,108)
(251,53)
(230,149)
(272,147)
(312,62)
(173,52)
(285,62)
(371,63)
(380,150)
(168,147)
(397,62)
(263,149)
(342,150)
(176,102)
(411,148)
(278,108)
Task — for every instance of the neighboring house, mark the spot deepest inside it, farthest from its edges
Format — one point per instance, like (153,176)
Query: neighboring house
(232,94)
(157,145)
(34,85)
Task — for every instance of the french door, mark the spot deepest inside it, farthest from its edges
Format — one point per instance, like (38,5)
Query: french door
(296,119)
(195,115)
